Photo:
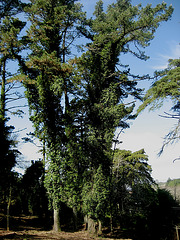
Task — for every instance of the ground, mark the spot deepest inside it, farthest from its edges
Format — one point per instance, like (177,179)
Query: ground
(48,235)
(30,227)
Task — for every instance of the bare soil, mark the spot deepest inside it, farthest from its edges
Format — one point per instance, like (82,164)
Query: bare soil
(31,227)
(49,235)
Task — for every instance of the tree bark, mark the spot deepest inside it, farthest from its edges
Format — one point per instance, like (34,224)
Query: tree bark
(8,217)
(8,208)
(75,218)
(3,97)
(99,227)
(91,226)
(86,222)
(56,226)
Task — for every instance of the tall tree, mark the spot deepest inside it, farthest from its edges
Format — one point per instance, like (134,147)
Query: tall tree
(94,84)
(9,42)
(132,184)
(123,29)
(130,170)
(51,34)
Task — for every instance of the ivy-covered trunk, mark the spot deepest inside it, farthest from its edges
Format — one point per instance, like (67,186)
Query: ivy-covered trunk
(56,226)
(91,226)
(99,227)
(52,31)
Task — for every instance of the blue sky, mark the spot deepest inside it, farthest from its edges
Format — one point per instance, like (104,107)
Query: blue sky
(148,130)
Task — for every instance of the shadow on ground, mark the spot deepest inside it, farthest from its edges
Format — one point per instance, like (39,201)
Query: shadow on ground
(31,227)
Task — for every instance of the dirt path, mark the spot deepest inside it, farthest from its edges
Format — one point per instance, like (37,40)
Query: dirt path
(49,235)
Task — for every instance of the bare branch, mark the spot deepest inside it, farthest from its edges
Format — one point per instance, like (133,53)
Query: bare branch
(17,107)
(176,159)
(14,99)
(169,115)
(21,130)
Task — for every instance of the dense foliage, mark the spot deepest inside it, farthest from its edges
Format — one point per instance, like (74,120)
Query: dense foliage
(76,104)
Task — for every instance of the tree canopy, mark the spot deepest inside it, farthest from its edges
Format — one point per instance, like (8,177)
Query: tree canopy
(10,7)
(76,104)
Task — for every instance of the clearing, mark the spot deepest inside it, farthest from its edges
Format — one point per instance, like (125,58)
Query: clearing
(31,227)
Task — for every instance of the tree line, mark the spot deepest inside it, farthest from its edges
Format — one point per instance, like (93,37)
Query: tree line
(76,103)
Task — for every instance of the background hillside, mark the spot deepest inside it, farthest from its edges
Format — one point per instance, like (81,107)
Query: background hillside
(173,186)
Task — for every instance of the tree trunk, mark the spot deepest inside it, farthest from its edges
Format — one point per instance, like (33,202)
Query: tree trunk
(75,218)
(8,217)
(111,222)
(8,208)
(99,227)
(91,226)
(3,94)
(86,222)
(56,226)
